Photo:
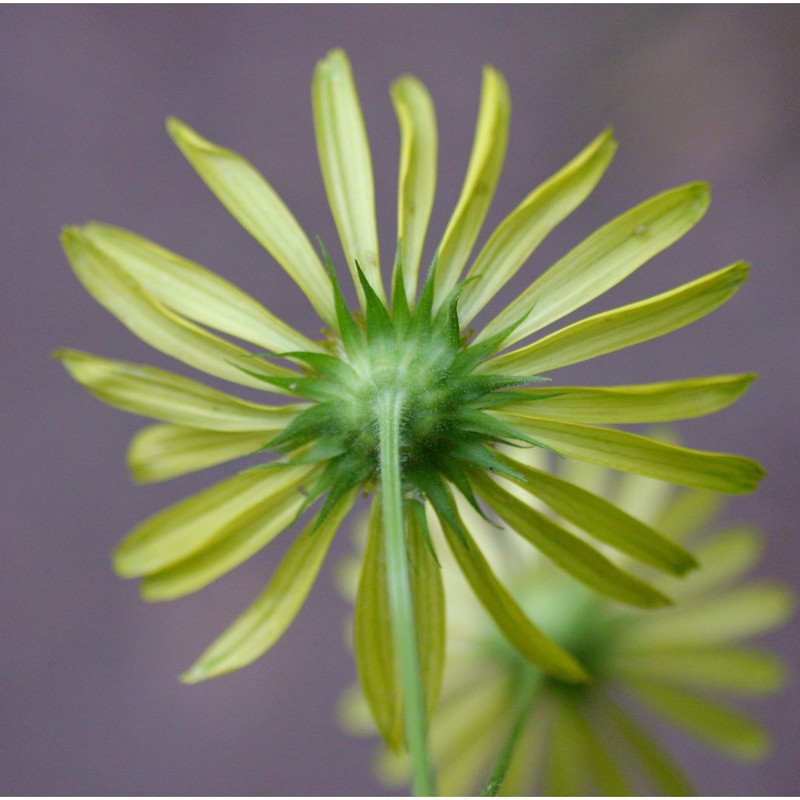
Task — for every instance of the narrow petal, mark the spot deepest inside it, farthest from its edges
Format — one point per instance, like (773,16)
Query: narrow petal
(726,557)
(373,642)
(604,259)
(648,402)
(629,452)
(562,779)
(161,452)
(603,520)
(565,550)
(253,633)
(256,206)
(417,184)
(508,616)
(657,764)
(483,172)
(346,164)
(624,327)
(169,397)
(724,670)
(152,322)
(186,527)
(520,233)
(195,292)
(747,611)
(688,513)
(713,723)
(233,545)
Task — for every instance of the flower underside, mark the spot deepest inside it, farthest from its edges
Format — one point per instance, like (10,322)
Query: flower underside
(419,358)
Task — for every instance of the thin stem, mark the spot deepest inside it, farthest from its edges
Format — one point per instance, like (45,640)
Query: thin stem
(400,598)
(529,686)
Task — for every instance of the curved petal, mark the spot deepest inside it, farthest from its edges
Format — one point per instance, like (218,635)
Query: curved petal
(346,165)
(521,232)
(166,396)
(625,326)
(565,550)
(629,452)
(714,723)
(160,452)
(195,292)
(256,206)
(177,532)
(603,260)
(648,402)
(509,617)
(274,610)
(417,184)
(232,546)
(483,172)
(152,322)
(603,520)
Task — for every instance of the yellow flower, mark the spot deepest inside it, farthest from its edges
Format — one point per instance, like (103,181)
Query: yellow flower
(397,397)
(679,662)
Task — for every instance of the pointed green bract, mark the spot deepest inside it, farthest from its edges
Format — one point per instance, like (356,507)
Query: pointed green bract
(275,609)
(193,291)
(346,164)
(256,206)
(604,259)
(160,452)
(520,233)
(483,172)
(417,182)
(165,396)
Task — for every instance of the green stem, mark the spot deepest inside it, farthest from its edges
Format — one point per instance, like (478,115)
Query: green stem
(400,599)
(528,687)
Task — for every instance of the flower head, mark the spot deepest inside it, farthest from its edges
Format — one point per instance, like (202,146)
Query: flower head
(406,356)
(681,663)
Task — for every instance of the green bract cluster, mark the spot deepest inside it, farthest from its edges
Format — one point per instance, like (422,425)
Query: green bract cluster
(414,357)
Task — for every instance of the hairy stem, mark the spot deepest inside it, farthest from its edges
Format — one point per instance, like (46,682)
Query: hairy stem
(400,598)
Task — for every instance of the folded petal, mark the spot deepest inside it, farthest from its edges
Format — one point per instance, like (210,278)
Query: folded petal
(195,292)
(565,550)
(346,165)
(417,182)
(624,327)
(186,527)
(483,172)
(603,520)
(712,722)
(161,452)
(629,452)
(256,206)
(233,545)
(253,633)
(648,402)
(520,233)
(725,670)
(508,616)
(603,260)
(169,397)
(153,322)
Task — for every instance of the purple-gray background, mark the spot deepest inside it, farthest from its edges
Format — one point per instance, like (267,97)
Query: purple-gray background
(89,697)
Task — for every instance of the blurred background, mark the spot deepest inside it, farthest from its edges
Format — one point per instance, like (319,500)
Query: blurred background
(89,697)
